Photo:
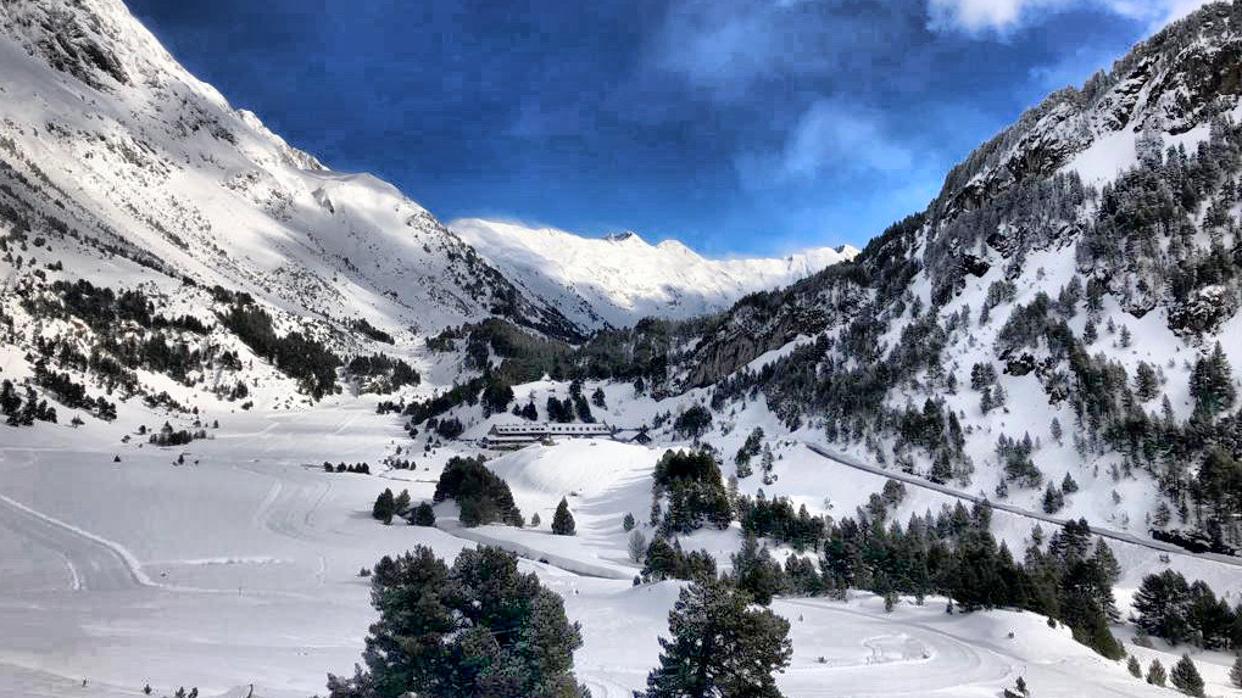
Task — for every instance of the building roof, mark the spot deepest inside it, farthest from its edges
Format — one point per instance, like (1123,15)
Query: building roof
(543,429)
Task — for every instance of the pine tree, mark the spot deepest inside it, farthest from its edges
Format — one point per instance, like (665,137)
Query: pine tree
(535,521)
(986,402)
(1053,499)
(637,545)
(1235,672)
(1211,383)
(1133,666)
(627,523)
(1146,382)
(478,628)
(1055,430)
(562,520)
(1089,333)
(401,505)
(423,515)
(1185,677)
(385,506)
(1068,484)
(1155,673)
(719,646)
(942,468)
(756,572)
(1159,606)
(766,461)
(660,561)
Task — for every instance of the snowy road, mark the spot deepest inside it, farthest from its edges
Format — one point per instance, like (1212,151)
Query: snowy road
(1018,511)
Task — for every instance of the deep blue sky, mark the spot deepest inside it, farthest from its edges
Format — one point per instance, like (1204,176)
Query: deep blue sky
(737,126)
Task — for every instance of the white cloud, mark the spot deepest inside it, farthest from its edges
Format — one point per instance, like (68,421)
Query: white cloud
(832,132)
(725,48)
(831,135)
(1000,16)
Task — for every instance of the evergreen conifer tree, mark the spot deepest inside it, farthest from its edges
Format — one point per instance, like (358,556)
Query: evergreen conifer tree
(719,646)
(1185,677)
(384,507)
(1068,484)
(401,505)
(1146,382)
(756,572)
(562,520)
(479,628)
(637,545)
(1156,675)
(423,515)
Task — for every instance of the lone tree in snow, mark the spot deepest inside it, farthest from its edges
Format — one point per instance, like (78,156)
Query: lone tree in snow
(637,546)
(720,646)
(385,506)
(562,520)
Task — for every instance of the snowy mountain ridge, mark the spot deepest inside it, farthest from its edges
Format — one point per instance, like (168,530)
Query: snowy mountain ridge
(1055,312)
(621,278)
(105,134)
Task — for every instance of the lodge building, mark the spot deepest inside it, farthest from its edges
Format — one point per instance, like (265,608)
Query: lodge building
(514,436)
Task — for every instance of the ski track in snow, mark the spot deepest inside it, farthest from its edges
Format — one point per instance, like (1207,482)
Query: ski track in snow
(95,563)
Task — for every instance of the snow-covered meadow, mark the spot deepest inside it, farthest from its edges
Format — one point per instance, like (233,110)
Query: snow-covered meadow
(242,565)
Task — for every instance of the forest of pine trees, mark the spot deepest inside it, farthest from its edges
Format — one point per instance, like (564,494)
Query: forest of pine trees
(1168,607)
(482,496)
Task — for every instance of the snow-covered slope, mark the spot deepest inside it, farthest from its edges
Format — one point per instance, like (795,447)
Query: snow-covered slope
(1076,244)
(620,279)
(108,144)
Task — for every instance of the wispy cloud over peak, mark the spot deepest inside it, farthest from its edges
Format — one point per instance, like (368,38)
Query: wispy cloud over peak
(997,17)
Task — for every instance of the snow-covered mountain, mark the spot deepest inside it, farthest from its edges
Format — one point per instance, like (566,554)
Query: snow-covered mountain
(621,278)
(1055,311)
(110,147)
(1042,336)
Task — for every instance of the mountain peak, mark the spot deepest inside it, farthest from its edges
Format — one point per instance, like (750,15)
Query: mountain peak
(619,279)
(624,236)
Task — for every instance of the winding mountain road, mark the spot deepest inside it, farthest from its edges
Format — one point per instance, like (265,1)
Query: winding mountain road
(916,481)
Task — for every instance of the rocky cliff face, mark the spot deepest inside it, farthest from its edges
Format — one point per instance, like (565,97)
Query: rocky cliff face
(1172,83)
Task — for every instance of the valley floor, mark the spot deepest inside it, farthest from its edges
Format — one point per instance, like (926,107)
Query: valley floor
(241,566)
